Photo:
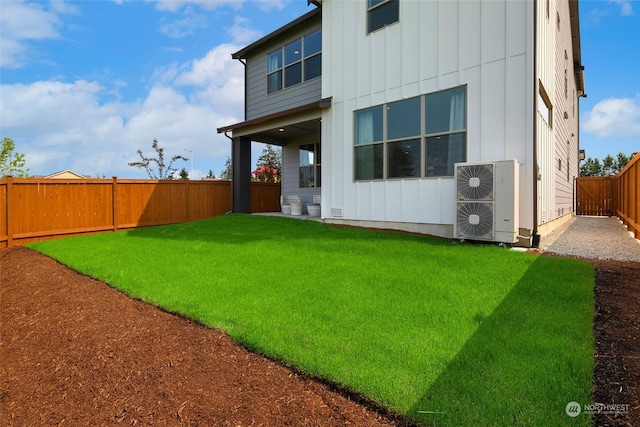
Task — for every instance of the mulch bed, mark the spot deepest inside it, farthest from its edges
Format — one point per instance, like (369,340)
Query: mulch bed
(77,352)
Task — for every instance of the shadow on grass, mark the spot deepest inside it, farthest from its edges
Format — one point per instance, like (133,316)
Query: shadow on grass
(247,229)
(528,359)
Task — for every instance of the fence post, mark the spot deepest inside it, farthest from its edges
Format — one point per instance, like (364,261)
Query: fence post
(9,212)
(186,200)
(113,203)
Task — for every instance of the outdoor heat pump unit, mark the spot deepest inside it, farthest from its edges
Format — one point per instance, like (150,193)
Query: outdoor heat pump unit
(487,201)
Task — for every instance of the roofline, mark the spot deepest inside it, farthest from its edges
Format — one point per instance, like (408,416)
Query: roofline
(578,68)
(316,105)
(241,54)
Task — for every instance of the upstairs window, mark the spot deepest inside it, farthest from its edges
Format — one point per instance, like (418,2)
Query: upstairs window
(381,13)
(295,62)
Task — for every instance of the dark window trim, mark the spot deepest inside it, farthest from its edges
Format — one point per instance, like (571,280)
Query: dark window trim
(383,3)
(284,66)
(423,137)
(315,166)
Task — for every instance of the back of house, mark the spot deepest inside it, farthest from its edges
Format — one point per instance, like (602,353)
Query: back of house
(450,118)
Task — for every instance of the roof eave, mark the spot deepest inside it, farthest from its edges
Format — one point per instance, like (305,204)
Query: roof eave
(242,53)
(316,105)
(578,68)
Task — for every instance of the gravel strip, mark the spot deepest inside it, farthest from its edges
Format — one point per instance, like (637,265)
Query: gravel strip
(593,238)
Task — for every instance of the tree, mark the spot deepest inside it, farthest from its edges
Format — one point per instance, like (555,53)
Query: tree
(609,165)
(155,166)
(226,173)
(622,160)
(184,173)
(210,175)
(269,165)
(11,163)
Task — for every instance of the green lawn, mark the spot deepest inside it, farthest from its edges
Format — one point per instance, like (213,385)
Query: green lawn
(445,333)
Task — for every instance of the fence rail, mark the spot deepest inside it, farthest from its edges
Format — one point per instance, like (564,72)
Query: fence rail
(40,209)
(617,195)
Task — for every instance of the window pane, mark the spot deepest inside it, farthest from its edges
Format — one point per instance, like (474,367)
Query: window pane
(384,14)
(404,158)
(446,111)
(403,118)
(306,155)
(443,151)
(274,61)
(369,162)
(368,125)
(274,82)
(293,74)
(371,3)
(293,52)
(313,67)
(307,178)
(312,43)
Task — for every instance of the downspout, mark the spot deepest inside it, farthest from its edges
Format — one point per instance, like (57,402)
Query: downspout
(245,86)
(535,241)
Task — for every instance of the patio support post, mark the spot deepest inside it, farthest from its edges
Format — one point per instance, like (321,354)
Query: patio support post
(241,175)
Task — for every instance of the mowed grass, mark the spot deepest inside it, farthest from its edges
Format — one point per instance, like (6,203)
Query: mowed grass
(444,333)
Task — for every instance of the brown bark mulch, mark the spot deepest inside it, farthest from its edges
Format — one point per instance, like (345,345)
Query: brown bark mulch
(74,351)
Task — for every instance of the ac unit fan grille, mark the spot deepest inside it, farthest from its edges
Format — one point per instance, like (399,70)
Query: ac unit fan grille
(474,182)
(474,220)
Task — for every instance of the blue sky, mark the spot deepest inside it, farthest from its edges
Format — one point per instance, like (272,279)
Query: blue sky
(85,84)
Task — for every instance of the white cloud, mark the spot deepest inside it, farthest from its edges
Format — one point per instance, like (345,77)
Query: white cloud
(174,5)
(614,117)
(268,5)
(20,23)
(218,79)
(625,7)
(60,125)
(183,27)
(241,32)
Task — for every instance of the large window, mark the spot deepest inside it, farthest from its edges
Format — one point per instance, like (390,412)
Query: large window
(295,62)
(381,13)
(417,137)
(309,166)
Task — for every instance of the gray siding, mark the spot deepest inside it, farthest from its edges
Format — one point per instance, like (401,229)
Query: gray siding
(258,102)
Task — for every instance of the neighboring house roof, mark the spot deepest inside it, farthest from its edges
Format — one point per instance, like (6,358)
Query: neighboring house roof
(65,174)
(242,53)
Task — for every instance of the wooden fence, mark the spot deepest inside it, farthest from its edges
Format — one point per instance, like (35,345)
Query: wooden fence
(40,209)
(617,195)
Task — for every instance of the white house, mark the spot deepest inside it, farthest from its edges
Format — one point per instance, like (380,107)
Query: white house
(375,102)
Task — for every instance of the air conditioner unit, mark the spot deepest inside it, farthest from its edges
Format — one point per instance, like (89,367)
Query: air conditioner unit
(487,201)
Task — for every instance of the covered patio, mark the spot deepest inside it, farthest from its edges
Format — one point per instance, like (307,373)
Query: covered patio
(297,131)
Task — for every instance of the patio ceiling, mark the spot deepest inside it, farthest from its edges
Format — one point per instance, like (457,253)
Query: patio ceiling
(279,127)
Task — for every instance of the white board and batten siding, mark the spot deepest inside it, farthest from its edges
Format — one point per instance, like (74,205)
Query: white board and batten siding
(436,45)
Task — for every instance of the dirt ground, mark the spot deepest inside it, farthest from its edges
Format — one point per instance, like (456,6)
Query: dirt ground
(77,352)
